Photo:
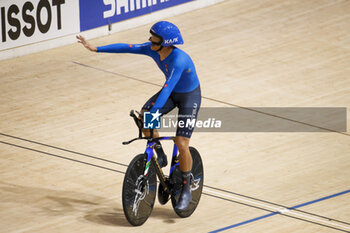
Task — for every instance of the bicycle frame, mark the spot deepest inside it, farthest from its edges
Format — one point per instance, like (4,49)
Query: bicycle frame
(150,153)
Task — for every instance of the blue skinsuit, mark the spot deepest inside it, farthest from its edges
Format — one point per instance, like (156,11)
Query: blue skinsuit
(178,68)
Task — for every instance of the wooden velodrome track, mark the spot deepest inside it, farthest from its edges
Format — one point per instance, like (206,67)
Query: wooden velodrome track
(64,113)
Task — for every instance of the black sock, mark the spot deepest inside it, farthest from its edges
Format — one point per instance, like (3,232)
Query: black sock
(186,178)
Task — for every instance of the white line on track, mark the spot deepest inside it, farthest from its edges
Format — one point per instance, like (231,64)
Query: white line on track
(277,209)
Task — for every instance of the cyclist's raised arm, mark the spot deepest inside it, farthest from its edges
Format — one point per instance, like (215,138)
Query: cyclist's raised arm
(117,48)
(144,49)
(86,44)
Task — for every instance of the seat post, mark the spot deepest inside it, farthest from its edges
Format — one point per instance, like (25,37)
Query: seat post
(151,131)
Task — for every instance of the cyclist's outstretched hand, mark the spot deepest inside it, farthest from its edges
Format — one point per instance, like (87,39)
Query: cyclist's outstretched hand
(86,44)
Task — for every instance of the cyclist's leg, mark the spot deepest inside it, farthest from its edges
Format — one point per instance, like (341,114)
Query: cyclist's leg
(185,160)
(169,105)
(189,104)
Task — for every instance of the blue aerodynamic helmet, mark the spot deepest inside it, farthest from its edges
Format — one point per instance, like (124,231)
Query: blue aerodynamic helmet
(168,32)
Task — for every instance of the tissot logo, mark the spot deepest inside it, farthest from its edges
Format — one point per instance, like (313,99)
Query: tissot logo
(27,17)
(171,41)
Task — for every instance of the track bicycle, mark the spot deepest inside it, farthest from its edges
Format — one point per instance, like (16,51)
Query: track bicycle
(140,180)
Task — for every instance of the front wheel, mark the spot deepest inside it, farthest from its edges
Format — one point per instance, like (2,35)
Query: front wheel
(139,191)
(197,180)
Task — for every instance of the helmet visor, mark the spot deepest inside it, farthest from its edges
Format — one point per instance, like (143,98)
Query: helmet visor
(158,36)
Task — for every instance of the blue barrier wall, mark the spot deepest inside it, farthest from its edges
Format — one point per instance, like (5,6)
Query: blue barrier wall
(96,13)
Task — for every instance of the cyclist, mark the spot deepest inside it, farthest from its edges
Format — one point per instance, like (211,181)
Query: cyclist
(181,89)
